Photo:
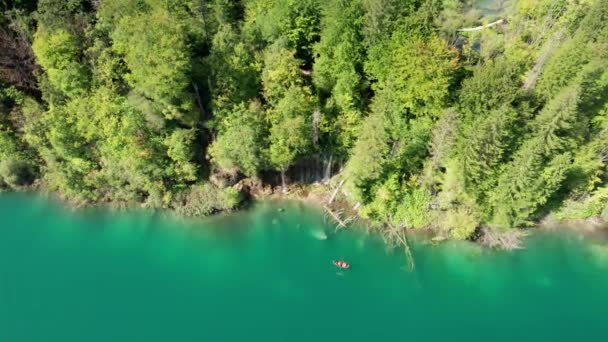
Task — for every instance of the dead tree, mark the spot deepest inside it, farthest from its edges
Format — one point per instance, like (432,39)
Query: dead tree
(17,61)
(199,100)
(546,53)
(335,193)
(316,119)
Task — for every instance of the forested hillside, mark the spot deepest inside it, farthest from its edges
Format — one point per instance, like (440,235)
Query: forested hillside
(145,101)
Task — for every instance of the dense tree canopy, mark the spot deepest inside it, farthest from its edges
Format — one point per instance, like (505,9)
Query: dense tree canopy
(151,102)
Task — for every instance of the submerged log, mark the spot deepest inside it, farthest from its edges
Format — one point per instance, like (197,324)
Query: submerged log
(399,237)
(336,217)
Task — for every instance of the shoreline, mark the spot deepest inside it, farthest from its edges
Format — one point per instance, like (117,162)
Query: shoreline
(317,195)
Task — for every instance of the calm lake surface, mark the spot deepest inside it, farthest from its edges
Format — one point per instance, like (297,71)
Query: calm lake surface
(264,275)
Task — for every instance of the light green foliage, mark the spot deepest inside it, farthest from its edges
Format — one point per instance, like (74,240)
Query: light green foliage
(205,199)
(557,125)
(414,209)
(384,203)
(415,71)
(239,145)
(179,149)
(134,159)
(588,167)
(459,214)
(290,127)
(291,106)
(235,72)
(281,72)
(155,51)
(58,52)
(441,146)
(592,206)
(461,223)
(387,146)
(400,205)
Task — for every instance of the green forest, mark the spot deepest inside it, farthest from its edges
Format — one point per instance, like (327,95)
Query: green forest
(454,114)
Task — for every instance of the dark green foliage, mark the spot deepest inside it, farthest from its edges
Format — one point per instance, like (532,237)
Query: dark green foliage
(381,17)
(234,71)
(542,162)
(15,170)
(338,69)
(369,156)
(492,85)
(15,173)
(484,146)
(296,21)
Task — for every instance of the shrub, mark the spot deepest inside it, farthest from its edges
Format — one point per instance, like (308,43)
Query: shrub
(15,173)
(462,223)
(205,199)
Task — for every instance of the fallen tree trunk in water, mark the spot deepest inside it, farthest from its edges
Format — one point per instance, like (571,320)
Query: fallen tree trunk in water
(333,196)
(336,217)
(398,236)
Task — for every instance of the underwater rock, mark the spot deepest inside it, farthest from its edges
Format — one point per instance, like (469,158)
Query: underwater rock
(319,235)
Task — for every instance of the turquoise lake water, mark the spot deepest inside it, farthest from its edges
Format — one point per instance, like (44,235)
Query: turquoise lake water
(264,275)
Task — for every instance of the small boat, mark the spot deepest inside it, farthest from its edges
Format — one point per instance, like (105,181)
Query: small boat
(341,264)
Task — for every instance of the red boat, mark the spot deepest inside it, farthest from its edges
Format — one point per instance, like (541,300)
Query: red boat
(341,264)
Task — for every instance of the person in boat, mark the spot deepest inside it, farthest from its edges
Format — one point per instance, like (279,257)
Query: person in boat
(341,264)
